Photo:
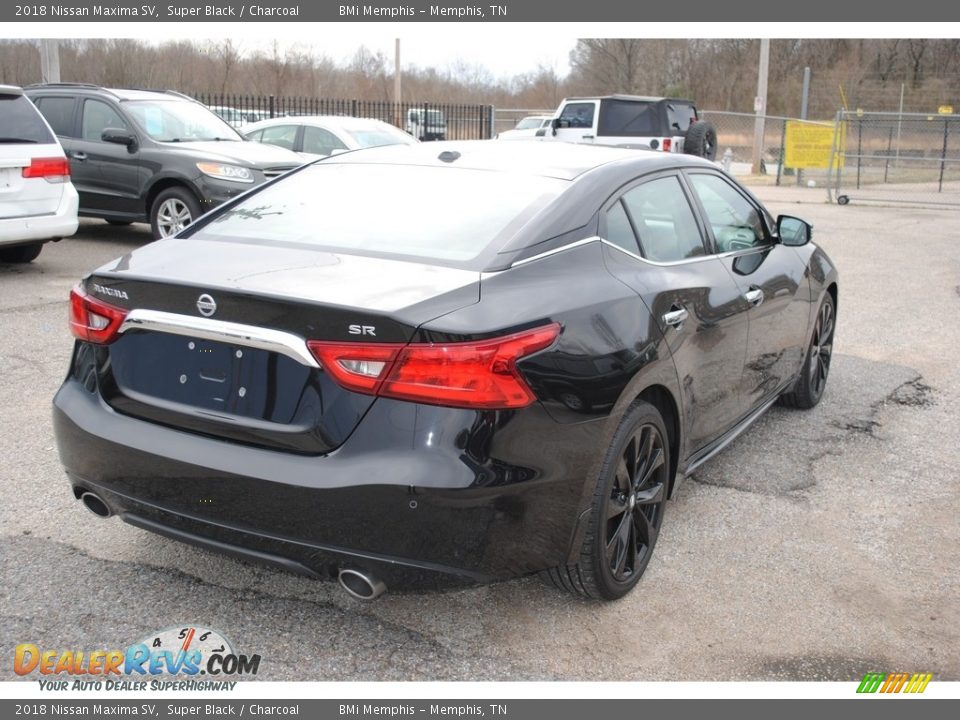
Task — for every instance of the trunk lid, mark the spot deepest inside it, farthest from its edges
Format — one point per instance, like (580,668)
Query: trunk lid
(197,360)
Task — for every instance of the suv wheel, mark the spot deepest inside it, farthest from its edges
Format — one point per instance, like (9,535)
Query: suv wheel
(701,140)
(20,253)
(173,209)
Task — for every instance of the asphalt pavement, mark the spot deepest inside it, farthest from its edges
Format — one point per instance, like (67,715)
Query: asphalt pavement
(819,546)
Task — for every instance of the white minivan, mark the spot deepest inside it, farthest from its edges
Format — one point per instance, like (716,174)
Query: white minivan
(38,203)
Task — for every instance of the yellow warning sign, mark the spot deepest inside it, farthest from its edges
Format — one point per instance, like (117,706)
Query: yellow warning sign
(945,109)
(810,145)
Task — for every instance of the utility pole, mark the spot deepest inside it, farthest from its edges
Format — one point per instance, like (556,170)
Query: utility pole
(398,120)
(49,60)
(760,105)
(804,108)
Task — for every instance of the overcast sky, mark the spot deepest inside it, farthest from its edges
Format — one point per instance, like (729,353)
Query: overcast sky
(505,49)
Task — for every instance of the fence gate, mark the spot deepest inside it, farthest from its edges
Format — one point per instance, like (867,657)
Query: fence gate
(895,158)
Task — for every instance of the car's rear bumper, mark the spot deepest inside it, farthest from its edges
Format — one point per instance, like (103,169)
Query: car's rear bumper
(421,514)
(39,228)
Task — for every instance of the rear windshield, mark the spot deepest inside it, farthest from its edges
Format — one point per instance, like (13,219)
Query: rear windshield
(443,214)
(21,123)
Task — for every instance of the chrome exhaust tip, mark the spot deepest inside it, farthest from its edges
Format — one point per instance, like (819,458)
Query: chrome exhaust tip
(95,504)
(360,585)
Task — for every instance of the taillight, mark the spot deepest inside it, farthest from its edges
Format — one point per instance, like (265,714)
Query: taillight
(51,169)
(94,320)
(481,374)
(667,144)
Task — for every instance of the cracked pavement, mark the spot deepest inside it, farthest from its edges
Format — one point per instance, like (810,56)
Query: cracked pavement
(819,545)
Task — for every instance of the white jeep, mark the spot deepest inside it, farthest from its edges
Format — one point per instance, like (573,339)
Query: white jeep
(657,123)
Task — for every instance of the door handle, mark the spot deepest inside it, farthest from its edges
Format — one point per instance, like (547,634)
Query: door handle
(587,137)
(675,318)
(754,296)
(81,156)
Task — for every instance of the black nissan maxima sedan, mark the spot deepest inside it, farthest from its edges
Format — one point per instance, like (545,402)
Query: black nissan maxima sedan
(421,366)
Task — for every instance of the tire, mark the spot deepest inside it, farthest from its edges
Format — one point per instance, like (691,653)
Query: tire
(120,223)
(21,253)
(808,390)
(627,510)
(172,210)
(701,140)
(843,200)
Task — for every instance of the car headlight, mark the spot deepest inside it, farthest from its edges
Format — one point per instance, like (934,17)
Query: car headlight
(226,172)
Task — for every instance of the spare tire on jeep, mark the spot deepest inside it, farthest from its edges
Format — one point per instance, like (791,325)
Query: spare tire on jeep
(701,140)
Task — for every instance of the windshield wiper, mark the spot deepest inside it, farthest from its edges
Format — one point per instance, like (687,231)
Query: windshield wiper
(17,140)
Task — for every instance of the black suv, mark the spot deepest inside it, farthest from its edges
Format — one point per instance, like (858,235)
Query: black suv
(152,156)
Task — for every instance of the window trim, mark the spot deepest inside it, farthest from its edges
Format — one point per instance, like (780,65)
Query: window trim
(297,135)
(705,240)
(74,118)
(769,240)
(316,126)
(116,110)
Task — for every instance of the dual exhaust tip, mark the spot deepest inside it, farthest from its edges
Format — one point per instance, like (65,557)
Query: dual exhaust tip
(357,583)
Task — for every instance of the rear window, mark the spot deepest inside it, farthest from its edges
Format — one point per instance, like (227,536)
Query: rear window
(21,123)
(448,215)
(622,118)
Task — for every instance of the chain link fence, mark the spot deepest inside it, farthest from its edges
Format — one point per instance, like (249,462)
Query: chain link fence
(452,121)
(895,158)
(735,133)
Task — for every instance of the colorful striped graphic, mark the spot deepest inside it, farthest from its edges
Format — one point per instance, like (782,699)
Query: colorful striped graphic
(894,682)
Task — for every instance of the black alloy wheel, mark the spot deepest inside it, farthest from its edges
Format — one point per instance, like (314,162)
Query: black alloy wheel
(813,377)
(634,508)
(627,513)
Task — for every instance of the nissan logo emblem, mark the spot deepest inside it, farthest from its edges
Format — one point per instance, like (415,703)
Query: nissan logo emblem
(206,305)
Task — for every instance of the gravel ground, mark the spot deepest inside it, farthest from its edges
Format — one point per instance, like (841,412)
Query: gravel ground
(820,545)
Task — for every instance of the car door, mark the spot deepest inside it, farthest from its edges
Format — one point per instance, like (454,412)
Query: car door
(109,174)
(577,121)
(771,278)
(654,243)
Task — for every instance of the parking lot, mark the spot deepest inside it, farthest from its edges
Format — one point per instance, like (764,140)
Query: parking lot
(819,546)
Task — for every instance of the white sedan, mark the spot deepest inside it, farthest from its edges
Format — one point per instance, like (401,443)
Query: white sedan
(318,136)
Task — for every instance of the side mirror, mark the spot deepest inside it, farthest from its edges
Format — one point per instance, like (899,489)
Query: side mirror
(793,231)
(554,124)
(119,136)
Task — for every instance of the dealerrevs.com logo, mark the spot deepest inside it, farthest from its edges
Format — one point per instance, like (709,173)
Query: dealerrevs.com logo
(181,652)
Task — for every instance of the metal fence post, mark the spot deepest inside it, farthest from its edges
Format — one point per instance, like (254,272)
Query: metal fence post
(783,140)
(943,153)
(271,102)
(859,148)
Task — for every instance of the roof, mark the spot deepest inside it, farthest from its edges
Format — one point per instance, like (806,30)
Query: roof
(535,157)
(347,122)
(119,93)
(10,90)
(634,98)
